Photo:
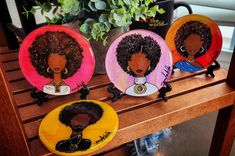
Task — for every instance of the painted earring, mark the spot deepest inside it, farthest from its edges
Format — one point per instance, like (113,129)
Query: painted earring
(149,68)
(182,48)
(128,68)
(65,71)
(202,49)
(48,70)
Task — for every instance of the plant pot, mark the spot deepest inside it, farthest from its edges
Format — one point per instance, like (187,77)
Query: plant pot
(100,50)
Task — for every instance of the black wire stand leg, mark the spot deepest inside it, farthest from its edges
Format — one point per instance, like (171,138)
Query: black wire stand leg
(164,90)
(116,94)
(212,68)
(40,96)
(84,91)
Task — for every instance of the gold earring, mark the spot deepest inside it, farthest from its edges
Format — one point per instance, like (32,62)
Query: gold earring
(149,68)
(48,70)
(65,71)
(128,68)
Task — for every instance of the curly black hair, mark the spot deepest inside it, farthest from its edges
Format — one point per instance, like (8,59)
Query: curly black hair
(132,44)
(93,110)
(55,42)
(193,27)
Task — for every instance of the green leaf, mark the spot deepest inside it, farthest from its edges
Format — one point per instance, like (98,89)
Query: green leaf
(38,3)
(90,21)
(147,2)
(85,28)
(42,11)
(161,11)
(121,23)
(108,26)
(71,7)
(100,5)
(46,6)
(48,20)
(55,10)
(117,17)
(103,18)
(56,2)
(92,6)
(127,2)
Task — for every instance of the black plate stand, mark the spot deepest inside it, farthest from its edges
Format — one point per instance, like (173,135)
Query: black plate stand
(43,97)
(212,68)
(40,96)
(164,90)
(116,94)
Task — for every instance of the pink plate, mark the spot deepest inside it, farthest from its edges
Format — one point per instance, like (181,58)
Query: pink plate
(56,60)
(139,62)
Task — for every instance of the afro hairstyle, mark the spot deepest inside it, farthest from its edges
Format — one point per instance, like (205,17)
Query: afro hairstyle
(93,110)
(193,27)
(133,44)
(55,42)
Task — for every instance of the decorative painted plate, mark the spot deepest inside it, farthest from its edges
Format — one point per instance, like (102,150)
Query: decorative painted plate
(195,42)
(78,127)
(139,62)
(56,60)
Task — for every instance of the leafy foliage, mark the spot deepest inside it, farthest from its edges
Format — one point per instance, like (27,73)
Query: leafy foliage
(98,16)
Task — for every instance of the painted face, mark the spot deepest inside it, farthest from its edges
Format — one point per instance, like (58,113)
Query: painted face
(56,62)
(193,44)
(79,122)
(139,64)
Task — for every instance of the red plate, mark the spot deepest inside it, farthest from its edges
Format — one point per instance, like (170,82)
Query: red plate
(56,60)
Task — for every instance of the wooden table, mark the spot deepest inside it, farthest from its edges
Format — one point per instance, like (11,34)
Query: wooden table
(193,95)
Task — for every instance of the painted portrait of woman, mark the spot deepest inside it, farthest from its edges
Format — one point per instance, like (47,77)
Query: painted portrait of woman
(78,127)
(56,60)
(58,56)
(138,56)
(192,40)
(195,42)
(138,63)
(78,116)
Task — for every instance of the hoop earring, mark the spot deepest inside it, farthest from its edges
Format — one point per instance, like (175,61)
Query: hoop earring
(128,68)
(48,70)
(182,48)
(202,49)
(65,71)
(149,68)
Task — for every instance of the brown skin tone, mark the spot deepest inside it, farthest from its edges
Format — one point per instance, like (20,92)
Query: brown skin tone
(192,45)
(139,64)
(57,64)
(80,120)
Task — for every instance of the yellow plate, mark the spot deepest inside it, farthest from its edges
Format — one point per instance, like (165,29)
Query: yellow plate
(78,127)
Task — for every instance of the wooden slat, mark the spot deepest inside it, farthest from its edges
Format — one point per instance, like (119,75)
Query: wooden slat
(177,110)
(9,57)
(23,85)
(34,111)
(24,97)
(14,75)
(20,86)
(3,49)
(162,114)
(9,66)
(128,102)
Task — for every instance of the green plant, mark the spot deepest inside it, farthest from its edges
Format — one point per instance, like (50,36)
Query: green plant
(98,16)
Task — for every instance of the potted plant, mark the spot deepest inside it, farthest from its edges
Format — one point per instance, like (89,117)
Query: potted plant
(97,18)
